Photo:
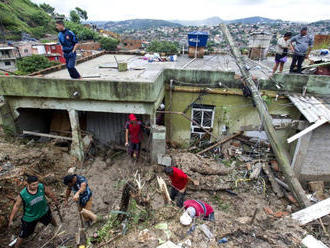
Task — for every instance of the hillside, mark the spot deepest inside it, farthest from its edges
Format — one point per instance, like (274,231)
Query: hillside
(17,16)
(212,21)
(137,24)
(252,20)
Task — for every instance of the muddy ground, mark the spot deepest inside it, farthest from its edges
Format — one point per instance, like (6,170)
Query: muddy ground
(107,173)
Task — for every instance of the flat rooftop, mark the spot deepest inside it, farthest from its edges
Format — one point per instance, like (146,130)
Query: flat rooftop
(140,70)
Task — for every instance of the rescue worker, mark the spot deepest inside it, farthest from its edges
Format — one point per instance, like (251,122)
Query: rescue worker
(82,193)
(179,182)
(69,43)
(35,208)
(196,208)
(133,136)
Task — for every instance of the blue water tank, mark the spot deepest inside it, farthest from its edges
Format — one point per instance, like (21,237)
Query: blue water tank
(198,37)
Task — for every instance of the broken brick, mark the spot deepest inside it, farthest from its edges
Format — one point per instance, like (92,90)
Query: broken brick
(280,214)
(268,211)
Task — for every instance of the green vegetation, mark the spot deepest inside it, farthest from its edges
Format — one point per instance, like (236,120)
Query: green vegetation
(74,17)
(82,32)
(108,44)
(47,8)
(33,63)
(19,16)
(163,47)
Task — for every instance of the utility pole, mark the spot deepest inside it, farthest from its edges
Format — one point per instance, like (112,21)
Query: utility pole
(278,149)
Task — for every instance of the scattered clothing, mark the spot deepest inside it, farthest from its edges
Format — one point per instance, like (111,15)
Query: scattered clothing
(86,195)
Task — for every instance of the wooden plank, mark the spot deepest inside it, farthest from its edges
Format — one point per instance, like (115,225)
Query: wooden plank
(313,212)
(220,142)
(46,135)
(310,242)
(307,130)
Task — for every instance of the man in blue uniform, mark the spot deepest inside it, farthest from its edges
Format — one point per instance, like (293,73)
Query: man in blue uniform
(69,44)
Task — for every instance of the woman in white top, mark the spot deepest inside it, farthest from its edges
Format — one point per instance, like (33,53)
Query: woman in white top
(283,44)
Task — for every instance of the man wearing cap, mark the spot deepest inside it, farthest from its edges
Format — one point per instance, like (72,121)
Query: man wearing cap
(179,182)
(302,47)
(82,193)
(35,208)
(196,208)
(134,135)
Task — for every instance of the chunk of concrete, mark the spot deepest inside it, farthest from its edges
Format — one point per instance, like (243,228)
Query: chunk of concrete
(164,160)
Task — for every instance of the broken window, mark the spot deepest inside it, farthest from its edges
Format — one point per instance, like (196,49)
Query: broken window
(7,63)
(203,116)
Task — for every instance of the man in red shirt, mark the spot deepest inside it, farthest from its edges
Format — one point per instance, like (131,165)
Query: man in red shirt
(196,208)
(134,133)
(179,182)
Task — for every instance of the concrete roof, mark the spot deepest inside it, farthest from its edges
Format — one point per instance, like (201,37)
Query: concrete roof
(143,71)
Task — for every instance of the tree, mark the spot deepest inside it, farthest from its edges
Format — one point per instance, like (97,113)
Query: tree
(47,8)
(108,44)
(82,32)
(82,13)
(34,63)
(163,47)
(74,17)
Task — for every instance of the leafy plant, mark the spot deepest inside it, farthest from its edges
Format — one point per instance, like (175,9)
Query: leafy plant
(34,63)
(108,44)
(74,17)
(167,47)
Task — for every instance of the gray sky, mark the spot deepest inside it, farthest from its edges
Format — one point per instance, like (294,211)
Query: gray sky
(110,10)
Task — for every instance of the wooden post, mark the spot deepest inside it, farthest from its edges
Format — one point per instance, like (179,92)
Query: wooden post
(266,119)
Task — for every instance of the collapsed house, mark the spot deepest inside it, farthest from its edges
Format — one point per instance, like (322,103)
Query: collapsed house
(203,103)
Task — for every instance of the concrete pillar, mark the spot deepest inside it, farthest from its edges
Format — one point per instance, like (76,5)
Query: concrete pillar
(158,143)
(7,121)
(77,148)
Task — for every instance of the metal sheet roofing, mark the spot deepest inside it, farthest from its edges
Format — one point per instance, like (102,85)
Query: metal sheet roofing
(311,107)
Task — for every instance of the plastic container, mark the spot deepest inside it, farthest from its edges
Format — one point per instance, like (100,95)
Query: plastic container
(198,37)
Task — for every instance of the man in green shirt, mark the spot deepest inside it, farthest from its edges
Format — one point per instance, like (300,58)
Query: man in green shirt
(36,208)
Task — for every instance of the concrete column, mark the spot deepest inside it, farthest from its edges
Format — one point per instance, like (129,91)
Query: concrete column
(77,148)
(158,143)
(7,121)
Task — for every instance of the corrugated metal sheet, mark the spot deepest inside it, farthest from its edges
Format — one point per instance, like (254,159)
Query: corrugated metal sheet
(107,127)
(311,107)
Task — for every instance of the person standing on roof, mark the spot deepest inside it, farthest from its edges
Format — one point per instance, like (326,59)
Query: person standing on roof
(36,208)
(196,208)
(302,47)
(69,44)
(82,193)
(282,47)
(179,182)
(133,136)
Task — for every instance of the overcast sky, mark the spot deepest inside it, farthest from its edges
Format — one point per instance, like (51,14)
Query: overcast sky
(110,10)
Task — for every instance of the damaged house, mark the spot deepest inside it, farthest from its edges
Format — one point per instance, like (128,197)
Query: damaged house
(203,104)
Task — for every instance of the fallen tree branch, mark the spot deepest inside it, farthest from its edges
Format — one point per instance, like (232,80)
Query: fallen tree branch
(220,142)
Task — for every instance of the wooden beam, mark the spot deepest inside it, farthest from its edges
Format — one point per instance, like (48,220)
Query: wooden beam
(278,149)
(276,188)
(307,130)
(47,135)
(220,142)
(313,212)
